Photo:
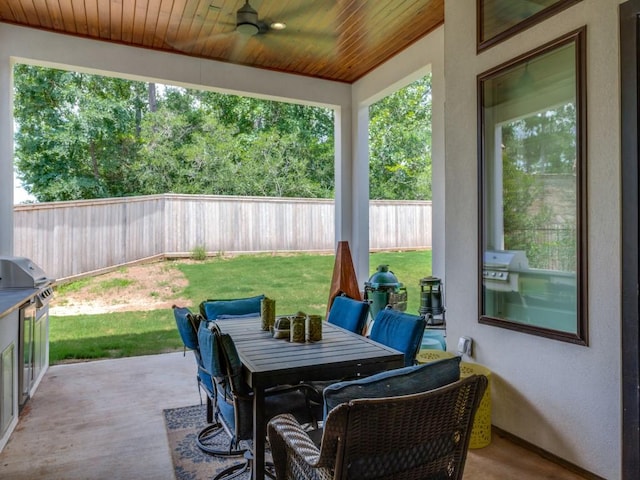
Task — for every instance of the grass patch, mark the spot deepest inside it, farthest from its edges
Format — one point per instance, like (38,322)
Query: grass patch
(296,282)
(113,283)
(72,287)
(112,335)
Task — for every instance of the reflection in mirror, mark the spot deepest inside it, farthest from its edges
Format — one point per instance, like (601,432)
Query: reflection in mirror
(532,171)
(500,19)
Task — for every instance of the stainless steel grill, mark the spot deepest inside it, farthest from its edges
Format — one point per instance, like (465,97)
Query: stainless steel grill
(501,268)
(20,272)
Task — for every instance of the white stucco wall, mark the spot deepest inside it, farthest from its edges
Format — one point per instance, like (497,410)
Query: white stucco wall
(6,156)
(561,397)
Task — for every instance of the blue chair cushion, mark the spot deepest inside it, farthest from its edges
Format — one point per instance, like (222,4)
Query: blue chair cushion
(348,313)
(188,333)
(209,351)
(206,381)
(399,330)
(392,383)
(212,309)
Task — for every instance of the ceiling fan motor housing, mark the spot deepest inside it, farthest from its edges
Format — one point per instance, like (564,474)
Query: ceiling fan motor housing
(247,20)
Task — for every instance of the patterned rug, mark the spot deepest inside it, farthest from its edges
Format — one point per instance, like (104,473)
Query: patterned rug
(189,462)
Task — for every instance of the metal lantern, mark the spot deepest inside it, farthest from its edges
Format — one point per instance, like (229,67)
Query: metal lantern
(432,300)
(383,289)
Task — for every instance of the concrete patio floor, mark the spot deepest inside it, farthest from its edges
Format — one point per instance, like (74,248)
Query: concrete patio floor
(103,420)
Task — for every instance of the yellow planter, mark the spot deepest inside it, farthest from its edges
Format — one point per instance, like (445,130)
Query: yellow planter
(481,432)
(428,355)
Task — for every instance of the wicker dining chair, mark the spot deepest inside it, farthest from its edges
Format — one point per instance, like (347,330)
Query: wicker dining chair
(418,436)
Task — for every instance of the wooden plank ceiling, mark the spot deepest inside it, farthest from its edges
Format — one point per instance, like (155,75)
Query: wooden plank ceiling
(339,40)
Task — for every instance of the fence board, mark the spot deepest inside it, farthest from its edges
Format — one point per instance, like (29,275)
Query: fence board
(73,238)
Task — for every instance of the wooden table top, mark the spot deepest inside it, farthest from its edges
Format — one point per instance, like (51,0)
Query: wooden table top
(340,353)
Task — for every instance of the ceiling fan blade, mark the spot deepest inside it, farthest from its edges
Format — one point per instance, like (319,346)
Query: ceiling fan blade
(278,44)
(305,8)
(240,43)
(307,35)
(300,17)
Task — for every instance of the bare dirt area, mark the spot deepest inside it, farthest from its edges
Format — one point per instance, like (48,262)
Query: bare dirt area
(150,286)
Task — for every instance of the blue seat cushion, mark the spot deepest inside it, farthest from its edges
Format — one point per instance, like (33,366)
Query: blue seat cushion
(186,328)
(348,313)
(392,383)
(212,309)
(206,381)
(399,330)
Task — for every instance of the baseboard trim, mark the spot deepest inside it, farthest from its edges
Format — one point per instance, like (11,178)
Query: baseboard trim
(546,455)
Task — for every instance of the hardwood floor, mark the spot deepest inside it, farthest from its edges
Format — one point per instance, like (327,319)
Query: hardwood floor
(103,420)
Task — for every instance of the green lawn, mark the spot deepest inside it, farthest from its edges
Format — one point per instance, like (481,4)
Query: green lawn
(296,282)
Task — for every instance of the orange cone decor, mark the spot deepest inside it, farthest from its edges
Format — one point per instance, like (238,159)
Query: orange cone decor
(344,276)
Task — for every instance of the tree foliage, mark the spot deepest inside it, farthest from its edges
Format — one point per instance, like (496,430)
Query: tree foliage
(84,136)
(76,135)
(400,144)
(542,223)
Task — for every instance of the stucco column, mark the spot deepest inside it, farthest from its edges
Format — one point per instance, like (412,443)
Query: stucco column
(352,185)
(342,169)
(438,243)
(360,192)
(6,155)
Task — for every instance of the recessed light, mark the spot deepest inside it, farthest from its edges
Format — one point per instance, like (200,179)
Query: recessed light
(278,26)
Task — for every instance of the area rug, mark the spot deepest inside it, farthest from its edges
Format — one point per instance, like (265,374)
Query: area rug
(189,462)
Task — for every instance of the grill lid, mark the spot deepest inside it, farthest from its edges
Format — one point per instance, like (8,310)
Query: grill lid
(20,272)
(507,260)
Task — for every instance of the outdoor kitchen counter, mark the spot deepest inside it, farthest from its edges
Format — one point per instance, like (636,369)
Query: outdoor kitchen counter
(11,299)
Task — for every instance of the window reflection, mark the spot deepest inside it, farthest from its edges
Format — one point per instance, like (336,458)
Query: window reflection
(500,19)
(530,215)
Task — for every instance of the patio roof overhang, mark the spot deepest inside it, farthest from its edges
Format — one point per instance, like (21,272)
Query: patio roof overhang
(340,40)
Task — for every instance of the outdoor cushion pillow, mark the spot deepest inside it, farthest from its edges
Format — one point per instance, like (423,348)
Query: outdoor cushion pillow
(392,383)
(186,328)
(349,314)
(399,330)
(211,309)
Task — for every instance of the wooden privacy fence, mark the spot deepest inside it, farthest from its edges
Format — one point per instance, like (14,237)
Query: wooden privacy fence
(74,238)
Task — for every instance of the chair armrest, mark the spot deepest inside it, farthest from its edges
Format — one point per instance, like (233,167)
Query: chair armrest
(295,455)
(291,434)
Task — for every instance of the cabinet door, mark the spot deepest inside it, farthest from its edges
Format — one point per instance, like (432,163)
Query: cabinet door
(7,366)
(39,346)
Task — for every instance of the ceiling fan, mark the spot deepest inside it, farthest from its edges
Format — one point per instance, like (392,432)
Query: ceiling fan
(230,34)
(248,23)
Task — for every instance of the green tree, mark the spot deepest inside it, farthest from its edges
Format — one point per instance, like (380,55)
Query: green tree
(87,136)
(400,144)
(76,135)
(205,142)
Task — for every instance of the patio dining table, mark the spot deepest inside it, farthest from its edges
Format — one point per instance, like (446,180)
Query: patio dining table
(268,362)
